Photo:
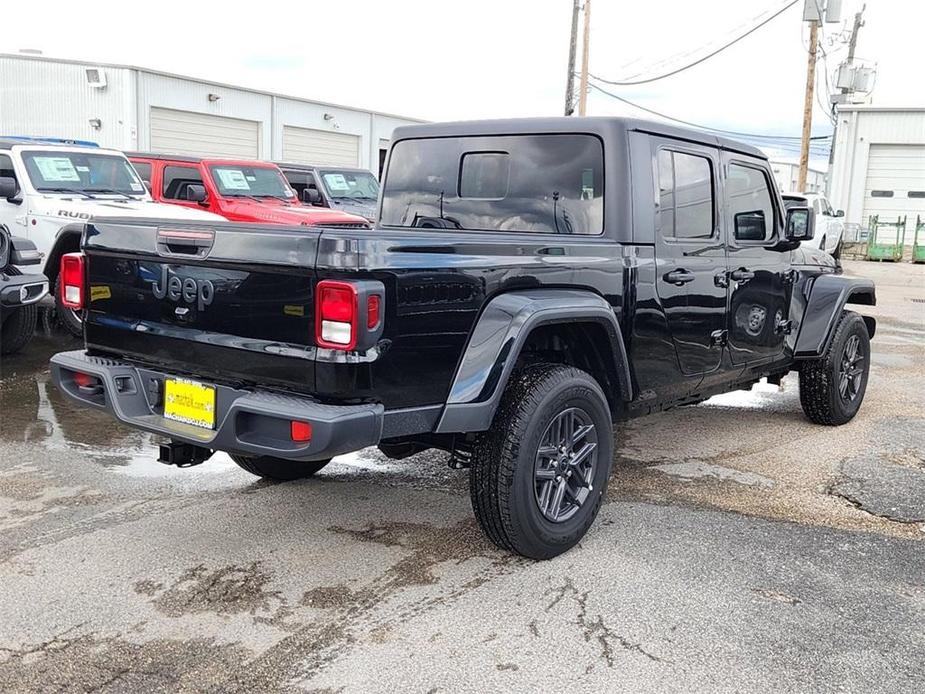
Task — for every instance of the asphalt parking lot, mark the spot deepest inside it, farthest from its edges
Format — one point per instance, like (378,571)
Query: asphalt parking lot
(741,549)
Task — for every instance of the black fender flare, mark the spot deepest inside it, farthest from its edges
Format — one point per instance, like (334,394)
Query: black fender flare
(61,246)
(828,295)
(497,339)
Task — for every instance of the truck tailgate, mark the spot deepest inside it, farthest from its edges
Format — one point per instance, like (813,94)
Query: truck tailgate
(228,302)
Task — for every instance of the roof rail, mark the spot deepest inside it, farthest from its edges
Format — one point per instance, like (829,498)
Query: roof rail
(50,140)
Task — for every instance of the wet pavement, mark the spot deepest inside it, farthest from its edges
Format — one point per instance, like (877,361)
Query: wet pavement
(741,548)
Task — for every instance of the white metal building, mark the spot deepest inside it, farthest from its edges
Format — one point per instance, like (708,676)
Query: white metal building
(133,108)
(787,174)
(879,165)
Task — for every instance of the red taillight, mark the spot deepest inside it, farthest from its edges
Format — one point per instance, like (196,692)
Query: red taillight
(72,280)
(300,432)
(373,305)
(336,315)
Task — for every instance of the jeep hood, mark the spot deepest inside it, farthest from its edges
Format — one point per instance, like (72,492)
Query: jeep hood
(80,208)
(277,213)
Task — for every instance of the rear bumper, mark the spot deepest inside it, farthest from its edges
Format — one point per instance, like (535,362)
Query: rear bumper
(246,422)
(22,290)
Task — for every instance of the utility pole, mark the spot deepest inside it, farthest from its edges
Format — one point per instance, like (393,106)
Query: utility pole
(852,44)
(808,103)
(585,45)
(573,44)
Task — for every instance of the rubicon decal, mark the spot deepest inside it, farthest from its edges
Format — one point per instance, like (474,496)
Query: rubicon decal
(170,286)
(73,214)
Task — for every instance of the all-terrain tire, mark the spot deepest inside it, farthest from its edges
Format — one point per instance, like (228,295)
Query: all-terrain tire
(18,328)
(67,317)
(502,477)
(278,468)
(820,395)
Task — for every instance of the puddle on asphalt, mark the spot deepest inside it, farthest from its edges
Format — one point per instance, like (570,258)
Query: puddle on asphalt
(32,410)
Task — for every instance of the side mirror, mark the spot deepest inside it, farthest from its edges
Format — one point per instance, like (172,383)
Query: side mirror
(8,187)
(311,196)
(750,226)
(195,193)
(839,213)
(800,224)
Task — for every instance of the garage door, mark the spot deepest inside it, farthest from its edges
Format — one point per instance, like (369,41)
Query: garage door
(204,135)
(306,146)
(895,184)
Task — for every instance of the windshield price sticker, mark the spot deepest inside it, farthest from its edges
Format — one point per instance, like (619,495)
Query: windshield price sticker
(233,179)
(336,181)
(56,169)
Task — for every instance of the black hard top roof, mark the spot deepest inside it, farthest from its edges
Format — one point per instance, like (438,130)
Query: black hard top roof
(602,126)
(311,167)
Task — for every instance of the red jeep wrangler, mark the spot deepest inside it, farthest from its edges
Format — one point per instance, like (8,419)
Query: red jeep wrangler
(240,191)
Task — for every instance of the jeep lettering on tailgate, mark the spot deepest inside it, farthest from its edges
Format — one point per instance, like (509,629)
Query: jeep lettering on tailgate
(172,287)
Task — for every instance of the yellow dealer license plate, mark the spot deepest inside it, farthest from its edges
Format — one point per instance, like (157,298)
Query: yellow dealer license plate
(189,402)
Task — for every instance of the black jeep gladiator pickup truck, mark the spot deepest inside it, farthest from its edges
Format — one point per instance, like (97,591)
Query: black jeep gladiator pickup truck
(528,284)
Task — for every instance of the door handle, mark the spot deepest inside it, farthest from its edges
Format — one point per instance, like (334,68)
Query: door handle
(679,277)
(741,275)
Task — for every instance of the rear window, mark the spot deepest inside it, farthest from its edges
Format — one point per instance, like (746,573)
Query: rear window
(521,183)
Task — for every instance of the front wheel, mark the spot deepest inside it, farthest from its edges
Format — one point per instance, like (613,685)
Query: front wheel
(833,386)
(539,474)
(17,328)
(278,469)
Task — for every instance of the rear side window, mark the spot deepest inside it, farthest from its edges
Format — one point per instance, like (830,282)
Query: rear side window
(750,210)
(178,179)
(685,206)
(522,183)
(144,171)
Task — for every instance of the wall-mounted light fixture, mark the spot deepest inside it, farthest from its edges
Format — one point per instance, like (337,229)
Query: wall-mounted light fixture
(214,97)
(96,77)
(96,123)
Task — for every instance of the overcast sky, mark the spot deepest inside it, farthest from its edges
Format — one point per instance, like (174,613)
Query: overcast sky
(460,59)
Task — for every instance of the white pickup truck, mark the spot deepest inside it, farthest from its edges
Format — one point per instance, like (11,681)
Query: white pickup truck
(45,186)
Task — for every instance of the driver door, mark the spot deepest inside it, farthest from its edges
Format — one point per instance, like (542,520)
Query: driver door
(759,288)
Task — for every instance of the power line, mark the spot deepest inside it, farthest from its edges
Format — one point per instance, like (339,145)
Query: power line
(630,83)
(697,125)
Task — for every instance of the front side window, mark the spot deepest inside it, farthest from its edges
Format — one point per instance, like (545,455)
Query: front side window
(82,172)
(359,185)
(299,180)
(519,183)
(250,181)
(685,206)
(750,211)
(178,179)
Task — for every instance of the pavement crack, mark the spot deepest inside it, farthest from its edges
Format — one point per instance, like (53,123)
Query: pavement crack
(595,628)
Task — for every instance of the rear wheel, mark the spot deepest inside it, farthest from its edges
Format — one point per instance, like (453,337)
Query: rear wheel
(278,468)
(539,474)
(68,317)
(833,386)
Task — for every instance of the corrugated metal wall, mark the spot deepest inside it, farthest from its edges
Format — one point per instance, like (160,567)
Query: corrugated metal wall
(47,97)
(858,129)
(52,99)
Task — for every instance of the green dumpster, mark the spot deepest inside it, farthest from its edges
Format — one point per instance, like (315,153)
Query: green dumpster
(918,247)
(886,239)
